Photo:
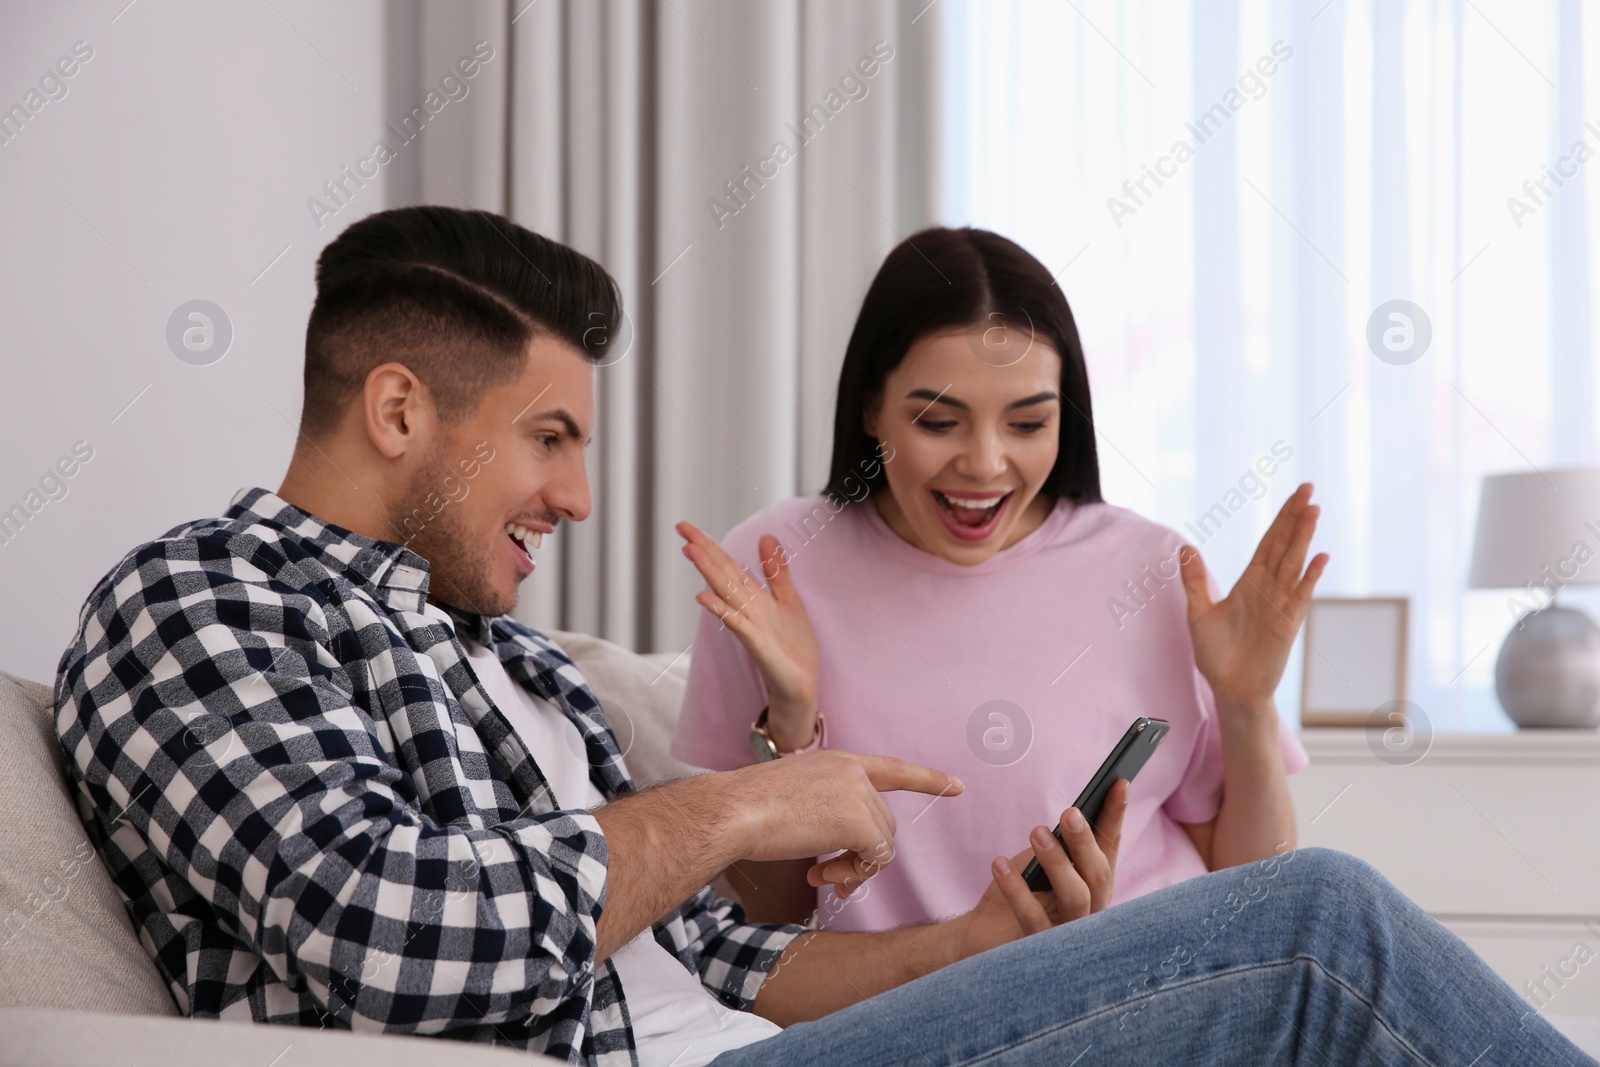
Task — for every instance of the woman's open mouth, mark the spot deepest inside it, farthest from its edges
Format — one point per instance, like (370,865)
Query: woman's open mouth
(971,517)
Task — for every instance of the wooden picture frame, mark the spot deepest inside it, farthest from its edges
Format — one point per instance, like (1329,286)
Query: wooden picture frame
(1354,660)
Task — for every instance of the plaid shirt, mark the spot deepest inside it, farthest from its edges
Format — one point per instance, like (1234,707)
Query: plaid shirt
(317,816)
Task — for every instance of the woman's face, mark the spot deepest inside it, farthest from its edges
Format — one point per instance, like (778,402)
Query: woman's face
(971,439)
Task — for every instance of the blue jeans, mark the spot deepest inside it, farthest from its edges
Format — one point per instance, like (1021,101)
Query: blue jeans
(1309,957)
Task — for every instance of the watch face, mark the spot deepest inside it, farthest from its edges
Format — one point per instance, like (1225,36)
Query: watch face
(761,747)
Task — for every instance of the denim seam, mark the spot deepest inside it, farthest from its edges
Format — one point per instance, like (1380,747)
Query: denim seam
(1054,1028)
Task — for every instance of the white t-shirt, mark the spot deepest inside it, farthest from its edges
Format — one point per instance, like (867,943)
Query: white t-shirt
(676,1021)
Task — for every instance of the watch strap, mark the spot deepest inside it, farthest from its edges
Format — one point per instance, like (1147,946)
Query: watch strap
(819,734)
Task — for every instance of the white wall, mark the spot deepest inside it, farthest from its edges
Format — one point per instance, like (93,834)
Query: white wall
(187,148)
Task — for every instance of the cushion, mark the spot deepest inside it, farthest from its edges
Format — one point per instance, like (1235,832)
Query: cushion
(38,1038)
(65,937)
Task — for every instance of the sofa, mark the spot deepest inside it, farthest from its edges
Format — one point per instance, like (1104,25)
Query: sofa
(76,986)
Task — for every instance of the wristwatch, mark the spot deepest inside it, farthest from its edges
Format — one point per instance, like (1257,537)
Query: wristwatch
(764,748)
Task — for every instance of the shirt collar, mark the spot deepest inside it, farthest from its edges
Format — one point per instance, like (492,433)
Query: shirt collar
(478,627)
(465,624)
(399,575)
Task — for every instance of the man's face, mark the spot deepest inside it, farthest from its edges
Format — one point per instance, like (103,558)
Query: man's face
(494,483)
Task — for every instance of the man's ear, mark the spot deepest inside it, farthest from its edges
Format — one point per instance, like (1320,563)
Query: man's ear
(397,409)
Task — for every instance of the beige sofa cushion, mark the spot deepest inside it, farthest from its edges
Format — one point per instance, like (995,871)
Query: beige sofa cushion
(65,937)
(34,1038)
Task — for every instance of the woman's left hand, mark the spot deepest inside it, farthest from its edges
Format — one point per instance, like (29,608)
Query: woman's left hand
(1242,642)
(1082,879)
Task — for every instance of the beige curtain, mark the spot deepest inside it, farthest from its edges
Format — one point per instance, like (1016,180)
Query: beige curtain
(741,168)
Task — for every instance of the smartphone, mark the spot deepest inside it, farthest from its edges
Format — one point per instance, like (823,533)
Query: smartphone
(1127,757)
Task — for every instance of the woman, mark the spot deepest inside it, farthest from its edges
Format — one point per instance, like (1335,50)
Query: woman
(960,596)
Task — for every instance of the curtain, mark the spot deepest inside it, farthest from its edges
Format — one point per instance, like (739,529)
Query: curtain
(1338,155)
(741,174)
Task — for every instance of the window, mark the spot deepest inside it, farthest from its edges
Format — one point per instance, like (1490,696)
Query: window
(1233,194)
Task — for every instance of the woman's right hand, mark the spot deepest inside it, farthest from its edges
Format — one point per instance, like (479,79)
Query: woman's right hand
(771,622)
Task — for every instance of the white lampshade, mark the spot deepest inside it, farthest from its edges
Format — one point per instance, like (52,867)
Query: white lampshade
(1534,521)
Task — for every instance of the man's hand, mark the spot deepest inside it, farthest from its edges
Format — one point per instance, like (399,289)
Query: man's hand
(1082,878)
(664,843)
(820,802)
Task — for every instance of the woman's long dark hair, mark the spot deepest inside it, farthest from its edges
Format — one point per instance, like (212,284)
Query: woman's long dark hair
(941,279)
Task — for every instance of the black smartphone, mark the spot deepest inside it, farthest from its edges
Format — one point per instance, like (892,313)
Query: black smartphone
(1127,757)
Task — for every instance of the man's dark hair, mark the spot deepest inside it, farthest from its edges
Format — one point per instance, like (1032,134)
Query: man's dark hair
(453,295)
(940,279)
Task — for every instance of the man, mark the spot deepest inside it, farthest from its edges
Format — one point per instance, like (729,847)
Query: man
(340,787)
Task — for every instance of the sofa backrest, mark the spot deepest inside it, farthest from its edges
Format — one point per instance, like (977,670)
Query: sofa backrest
(66,940)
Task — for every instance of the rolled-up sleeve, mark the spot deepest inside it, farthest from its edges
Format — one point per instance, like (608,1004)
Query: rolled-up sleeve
(733,956)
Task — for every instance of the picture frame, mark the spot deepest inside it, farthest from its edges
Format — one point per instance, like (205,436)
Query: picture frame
(1354,660)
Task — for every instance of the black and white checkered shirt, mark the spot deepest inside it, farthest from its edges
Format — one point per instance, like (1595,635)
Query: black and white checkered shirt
(318,817)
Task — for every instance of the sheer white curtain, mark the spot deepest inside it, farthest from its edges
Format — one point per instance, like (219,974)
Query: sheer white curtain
(1230,189)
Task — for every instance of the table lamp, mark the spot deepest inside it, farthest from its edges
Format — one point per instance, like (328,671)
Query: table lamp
(1538,533)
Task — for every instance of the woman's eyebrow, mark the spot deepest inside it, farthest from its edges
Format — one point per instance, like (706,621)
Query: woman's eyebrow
(933,398)
(940,398)
(1036,398)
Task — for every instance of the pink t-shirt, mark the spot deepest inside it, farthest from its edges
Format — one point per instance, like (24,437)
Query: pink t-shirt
(1016,675)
